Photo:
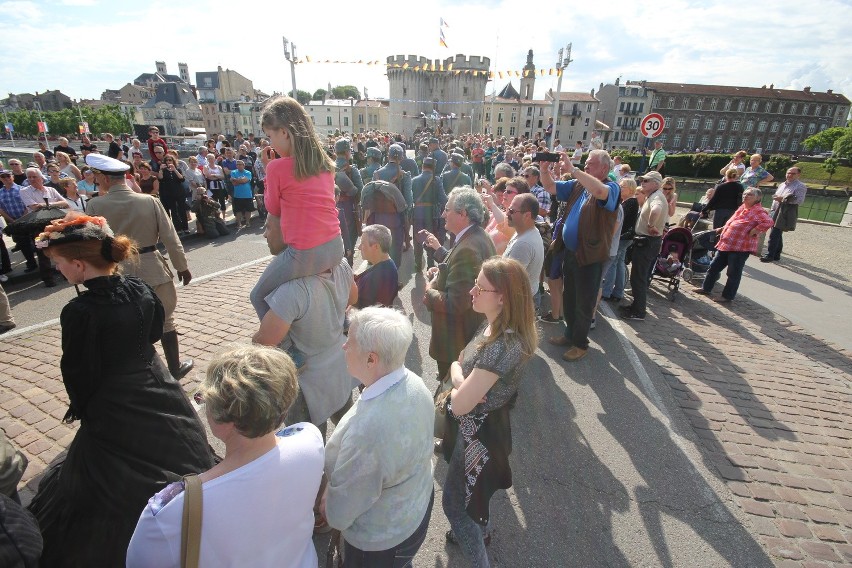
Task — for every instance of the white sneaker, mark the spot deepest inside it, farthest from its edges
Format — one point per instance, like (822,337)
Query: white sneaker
(593,324)
(4,278)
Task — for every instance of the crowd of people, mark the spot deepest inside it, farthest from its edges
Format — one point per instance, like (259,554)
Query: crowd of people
(496,226)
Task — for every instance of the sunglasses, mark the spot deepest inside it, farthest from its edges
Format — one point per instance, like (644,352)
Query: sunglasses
(668,188)
(511,211)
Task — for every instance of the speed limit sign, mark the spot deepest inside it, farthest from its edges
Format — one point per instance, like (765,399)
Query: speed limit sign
(652,125)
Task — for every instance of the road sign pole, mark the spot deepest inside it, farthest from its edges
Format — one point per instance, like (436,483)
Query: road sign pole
(10,130)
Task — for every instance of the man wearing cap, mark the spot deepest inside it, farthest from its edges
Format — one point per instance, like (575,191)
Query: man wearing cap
(408,164)
(429,202)
(374,162)
(591,213)
(392,172)
(348,180)
(439,155)
(142,218)
(657,162)
(646,245)
(454,177)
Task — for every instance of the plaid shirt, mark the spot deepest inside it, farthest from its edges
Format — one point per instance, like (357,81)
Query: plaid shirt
(735,234)
(542,196)
(10,201)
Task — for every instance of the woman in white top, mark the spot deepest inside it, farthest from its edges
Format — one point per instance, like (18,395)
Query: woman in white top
(193,175)
(66,167)
(737,163)
(258,502)
(215,176)
(76,201)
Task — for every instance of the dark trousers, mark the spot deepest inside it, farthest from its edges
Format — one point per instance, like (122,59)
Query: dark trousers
(175,206)
(25,244)
(735,261)
(643,263)
(579,296)
(430,224)
(5,260)
(776,244)
(400,556)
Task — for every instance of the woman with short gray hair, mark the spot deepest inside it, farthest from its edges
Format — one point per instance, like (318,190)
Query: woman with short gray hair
(379,459)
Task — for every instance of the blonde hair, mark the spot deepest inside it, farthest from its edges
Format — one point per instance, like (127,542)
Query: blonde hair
(732,173)
(509,278)
(629,183)
(250,386)
(309,155)
(671,181)
(63,155)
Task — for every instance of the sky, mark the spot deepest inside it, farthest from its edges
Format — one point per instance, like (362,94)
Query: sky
(82,47)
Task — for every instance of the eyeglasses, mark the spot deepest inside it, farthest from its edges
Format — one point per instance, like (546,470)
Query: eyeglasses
(512,191)
(511,211)
(5,175)
(479,289)
(668,188)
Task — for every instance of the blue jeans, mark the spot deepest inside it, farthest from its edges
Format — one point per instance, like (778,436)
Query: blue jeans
(400,556)
(615,284)
(735,261)
(468,533)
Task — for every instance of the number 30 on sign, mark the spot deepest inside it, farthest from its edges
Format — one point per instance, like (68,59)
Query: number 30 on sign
(652,125)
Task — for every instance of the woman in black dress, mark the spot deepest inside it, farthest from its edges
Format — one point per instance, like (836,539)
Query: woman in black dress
(138,431)
(727,197)
(172,194)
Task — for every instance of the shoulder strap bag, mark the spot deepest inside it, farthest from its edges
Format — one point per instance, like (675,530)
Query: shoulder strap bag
(190,541)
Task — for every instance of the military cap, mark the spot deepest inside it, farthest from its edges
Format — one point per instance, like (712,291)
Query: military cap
(457,159)
(396,151)
(434,140)
(375,153)
(342,146)
(105,164)
(428,162)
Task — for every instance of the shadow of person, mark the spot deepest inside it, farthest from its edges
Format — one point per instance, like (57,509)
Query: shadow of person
(780,283)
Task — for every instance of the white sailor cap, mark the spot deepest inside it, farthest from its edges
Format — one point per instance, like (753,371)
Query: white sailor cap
(105,164)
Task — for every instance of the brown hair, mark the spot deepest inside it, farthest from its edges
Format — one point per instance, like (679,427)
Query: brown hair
(518,183)
(92,251)
(509,278)
(309,156)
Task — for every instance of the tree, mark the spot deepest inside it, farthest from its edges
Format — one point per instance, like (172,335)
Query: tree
(825,140)
(303,97)
(700,161)
(843,146)
(345,91)
(830,166)
(319,94)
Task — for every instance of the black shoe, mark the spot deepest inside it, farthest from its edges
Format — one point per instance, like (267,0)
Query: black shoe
(185,367)
(631,315)
(613,299)
(766,259)
(15,248)
(7,327)
(49,283)
(6,270)
(451,538)
(32,268)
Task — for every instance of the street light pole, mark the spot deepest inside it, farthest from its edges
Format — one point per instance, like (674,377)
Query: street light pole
(6,121)
(561,65)
(292,59)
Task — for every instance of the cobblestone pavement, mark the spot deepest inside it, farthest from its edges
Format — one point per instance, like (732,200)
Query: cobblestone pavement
(770,403)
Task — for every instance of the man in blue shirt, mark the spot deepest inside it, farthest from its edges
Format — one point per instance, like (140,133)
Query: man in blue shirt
(586,251)
(12,207)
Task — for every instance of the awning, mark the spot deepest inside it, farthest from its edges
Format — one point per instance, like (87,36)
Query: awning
(601,125)
(194,130)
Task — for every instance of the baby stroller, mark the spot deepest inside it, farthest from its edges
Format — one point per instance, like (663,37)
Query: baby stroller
(703,243)
(675,254)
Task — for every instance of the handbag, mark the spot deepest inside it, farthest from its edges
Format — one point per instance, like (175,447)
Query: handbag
(442,397)
(190,532)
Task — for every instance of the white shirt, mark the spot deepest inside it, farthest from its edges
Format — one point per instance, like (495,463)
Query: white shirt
(459,236)
(259,515)
(383,384)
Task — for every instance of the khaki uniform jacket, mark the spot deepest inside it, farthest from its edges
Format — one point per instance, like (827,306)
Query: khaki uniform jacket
(142,218)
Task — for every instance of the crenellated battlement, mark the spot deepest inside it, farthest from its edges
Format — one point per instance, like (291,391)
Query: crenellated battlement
(459,62)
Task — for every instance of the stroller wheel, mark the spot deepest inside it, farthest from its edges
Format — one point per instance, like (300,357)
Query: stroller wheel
(687,274)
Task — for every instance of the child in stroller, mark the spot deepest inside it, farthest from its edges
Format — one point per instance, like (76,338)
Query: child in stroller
(675,253)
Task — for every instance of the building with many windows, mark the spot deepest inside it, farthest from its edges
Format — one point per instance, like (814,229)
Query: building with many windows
(722,118)
(172,108)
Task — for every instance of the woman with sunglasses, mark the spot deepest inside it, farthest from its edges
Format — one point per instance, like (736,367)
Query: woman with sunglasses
(138,431)
(485,381)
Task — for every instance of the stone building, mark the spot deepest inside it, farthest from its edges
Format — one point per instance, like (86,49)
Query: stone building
(449,93)
(173,108)
(151,80)
(224,85)
(722,118)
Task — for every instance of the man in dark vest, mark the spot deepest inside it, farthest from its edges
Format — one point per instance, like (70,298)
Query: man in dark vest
(429,202)
(383,204)
(394,173)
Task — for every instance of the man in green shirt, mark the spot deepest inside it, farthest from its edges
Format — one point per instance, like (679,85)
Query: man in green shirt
(658,159)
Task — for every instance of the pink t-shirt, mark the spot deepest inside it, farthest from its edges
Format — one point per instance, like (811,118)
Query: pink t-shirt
(306,207)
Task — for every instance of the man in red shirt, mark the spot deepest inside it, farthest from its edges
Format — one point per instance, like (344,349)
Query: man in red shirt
(737,240)
(478,157)
(153,141)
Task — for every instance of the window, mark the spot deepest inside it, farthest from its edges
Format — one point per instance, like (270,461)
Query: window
(775,126)
(587,121)
(717,143)
(676,141)
(693,125)
(511,131)
(641,107)
(699,104)
(805,109)
(822,126)
(345,121)
(528,123)
(621,107)
(794,146)
(615,138)
(723,124)
(705,140)
(770,144)
(758,144)
(499,131)
(713,104)
(657,102)
(541,111)
(787,127)
(487,117)
(621,91)
(782,145)
(464,91)
(768,107)
(690,142)
(708,124)
(360,119)
(793,108)
(761,126)
(811,128)
(499,117)
(741,106)
(685,102)
(800,128)
(744,143)
(514,118)
(589,107)
(404,91)
(663,139)
(727,104)
(753,106)
(671,102)
(530,110)
(749,125)
(618,121)
(780,108)
(681,122)
(730,145)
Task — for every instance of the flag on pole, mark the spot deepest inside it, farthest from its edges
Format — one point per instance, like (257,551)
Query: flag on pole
(444,23)
(42,127)
(442,40)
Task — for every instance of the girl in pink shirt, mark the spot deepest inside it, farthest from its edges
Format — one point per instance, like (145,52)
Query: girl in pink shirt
(302,228)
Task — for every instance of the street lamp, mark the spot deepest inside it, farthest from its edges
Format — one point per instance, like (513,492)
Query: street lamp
(292,59)
(561,65)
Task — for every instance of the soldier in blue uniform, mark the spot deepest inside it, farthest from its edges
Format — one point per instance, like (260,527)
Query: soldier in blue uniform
(429,202)
(383,204)
(465,166)
(348,179)
(374,162)
(408,164)
(392,172)
(439,155)
(454,177)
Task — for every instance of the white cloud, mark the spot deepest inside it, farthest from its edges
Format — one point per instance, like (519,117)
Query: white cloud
(16,10)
